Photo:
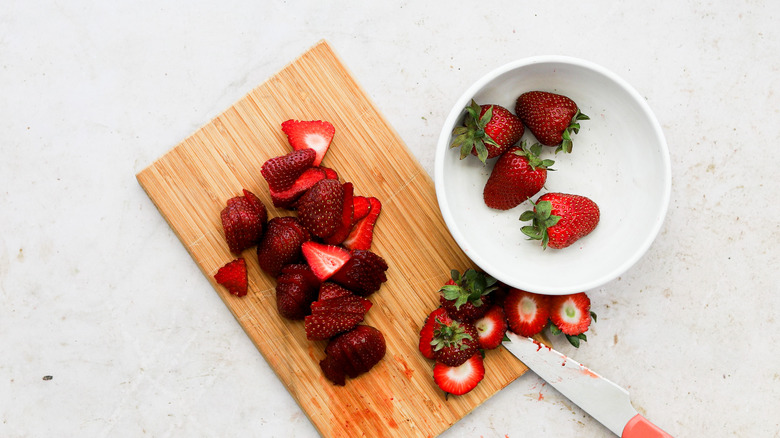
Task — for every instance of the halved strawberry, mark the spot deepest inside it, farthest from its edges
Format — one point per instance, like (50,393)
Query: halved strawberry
(281,172)
(432,321)
(460,379)
(363,273)
(243,220)
(491,328)
(234,277)
(353,353)
(320,208)
(316,135)
(362,233)
(571,315)
(454,342)
(526,312)
(345,227)
(334,313)
(287,198)
(324,259)
(361,206)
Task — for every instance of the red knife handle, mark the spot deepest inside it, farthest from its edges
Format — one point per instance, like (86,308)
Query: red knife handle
(640,427)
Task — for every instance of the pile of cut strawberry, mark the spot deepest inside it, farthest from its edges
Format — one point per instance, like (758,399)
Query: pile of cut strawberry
(519,173)
(474,314)
(320,257)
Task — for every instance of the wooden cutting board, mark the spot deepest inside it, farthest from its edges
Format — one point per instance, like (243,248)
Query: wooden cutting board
(191,183)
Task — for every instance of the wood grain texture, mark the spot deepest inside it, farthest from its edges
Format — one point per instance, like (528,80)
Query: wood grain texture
(191,183)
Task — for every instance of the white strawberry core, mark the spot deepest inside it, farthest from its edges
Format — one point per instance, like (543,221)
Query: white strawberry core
(462,372)
(570,312)
(527,308)
(315,141)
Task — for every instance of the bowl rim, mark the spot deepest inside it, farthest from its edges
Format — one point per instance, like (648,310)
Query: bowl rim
(442,147)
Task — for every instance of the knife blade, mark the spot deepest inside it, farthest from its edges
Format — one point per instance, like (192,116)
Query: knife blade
(603,400)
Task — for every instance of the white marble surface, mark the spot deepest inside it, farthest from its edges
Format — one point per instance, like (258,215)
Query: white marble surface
(97,292)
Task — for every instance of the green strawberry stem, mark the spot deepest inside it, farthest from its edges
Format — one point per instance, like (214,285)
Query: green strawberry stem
(472,135)
(542,219)
(532,153)
(574,127)
(470,287)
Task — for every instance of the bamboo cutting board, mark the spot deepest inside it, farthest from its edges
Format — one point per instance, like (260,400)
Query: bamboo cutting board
(191,183)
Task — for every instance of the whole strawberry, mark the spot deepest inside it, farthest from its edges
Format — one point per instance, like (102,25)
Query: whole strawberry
(517,175)
(560,219)
(466,297)
(487,131)
(551,118)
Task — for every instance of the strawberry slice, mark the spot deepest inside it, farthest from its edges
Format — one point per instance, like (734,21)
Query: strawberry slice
(324,259)
(234,277)
(330,173)
(571,313)
(360,207)
(315,134)
(362,233)
(287,198)
(526,312)
(353,353)
(281,172)
(334,312)
(432,321)
(460,379)
(344,229)
(491,328)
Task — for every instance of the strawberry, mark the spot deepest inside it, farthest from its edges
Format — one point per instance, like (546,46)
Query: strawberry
(571,315)
(281,244)
(465,298)
(320,208)
(243,220)
(324,259)
(454,342)
(315,135)
(335,312)
(353,353)
(296,288)
(432,321)
(517,175)
(234,277)
(491,328)
(487,132)
(362,233)
(286,198)
(345,226)
(281,172)
(551,118)
(363,273)
(330,173)
(560,219)
(460,379)
(360,208)
(526,312)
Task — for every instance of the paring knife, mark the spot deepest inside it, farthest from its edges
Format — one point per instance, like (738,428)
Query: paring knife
(603,400)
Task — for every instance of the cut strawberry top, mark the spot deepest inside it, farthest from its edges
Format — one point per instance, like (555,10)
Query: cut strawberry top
(315,134)
(526,312)
(324,259)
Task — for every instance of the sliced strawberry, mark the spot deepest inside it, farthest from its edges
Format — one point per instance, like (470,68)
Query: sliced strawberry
(324,259)
(243,221)
(334,313)
(296,289)
(454,342)
(526,312)
(363,273)
(330,173)
(287,198)
(491,328)
(344,229)
(315,135)
(571,313)
(362,233)
(353,353)
(281,172)
(320,208)
(281,244)
(460,379)
(432,321)
(234,277)
(329,290)
(360,207)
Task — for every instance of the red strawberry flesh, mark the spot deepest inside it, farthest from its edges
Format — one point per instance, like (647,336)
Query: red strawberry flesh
(233,276)
(324,259)
(362,234)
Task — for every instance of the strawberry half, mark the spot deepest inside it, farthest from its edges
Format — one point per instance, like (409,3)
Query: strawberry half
(334,313)
(460,379)
(353,353)
(363,273)
(281,244)
(491,328)
(234,277)
(488,130)
(466,297)
(281,172)
(432,321)
(296,288)
(243,221)
(320,208)
(324,259)
(518,174)
(571,316)
(454,342)
(560,219)
(526,312)
(551,118)
(286,198)
(362,234)
(315,135)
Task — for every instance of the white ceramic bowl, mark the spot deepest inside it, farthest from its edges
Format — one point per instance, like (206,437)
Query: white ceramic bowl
(619,159)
